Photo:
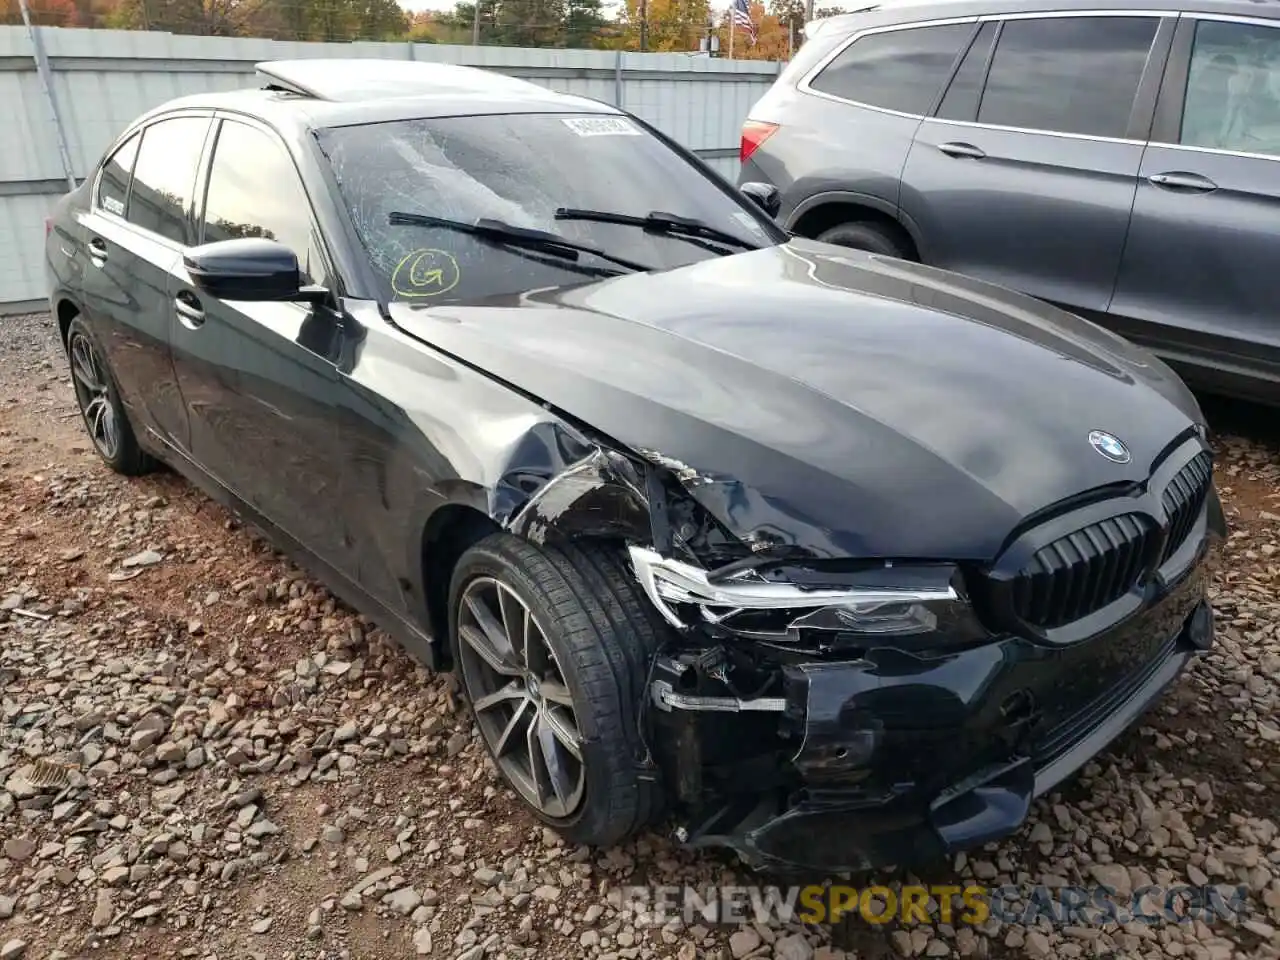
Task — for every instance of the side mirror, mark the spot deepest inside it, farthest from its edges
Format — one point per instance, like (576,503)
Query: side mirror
(247,268)
(766,196)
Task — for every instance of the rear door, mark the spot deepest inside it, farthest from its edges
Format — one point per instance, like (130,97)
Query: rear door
(133,235)
(1199,278)
(1026,173)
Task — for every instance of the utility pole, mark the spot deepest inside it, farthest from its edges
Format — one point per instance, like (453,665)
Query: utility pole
(475,26)
(808,10)
(51,98)
(644,25)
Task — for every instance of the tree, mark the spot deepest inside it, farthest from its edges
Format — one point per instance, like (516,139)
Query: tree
(44,13)
(672,25)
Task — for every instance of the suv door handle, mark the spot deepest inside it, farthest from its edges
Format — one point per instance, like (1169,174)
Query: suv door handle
(97,251)
(1183,181)
(190,312)
(962,150)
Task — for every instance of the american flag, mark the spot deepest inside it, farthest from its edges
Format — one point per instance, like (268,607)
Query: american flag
(742,17)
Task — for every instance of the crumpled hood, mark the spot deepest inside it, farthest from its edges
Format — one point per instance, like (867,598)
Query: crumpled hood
(832,400)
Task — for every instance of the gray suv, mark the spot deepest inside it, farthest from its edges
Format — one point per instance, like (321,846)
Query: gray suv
(1120,160)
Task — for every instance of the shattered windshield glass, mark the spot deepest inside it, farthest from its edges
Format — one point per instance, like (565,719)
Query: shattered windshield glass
(520,169)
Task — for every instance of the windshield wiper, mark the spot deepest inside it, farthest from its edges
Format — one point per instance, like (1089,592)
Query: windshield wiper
(658,222)
(505,233)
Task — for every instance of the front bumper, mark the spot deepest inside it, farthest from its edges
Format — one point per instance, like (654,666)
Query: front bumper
(903,761)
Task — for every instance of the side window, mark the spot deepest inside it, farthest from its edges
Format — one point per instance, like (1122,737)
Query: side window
(164,176)
(254,191)
(1068,74)
(961,100)
(1233,89)
(113,185)
(901,70)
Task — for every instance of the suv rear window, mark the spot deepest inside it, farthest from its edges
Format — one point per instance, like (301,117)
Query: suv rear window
(901,70)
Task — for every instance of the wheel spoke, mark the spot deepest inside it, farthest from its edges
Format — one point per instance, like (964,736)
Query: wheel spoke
(494,631)
(108,429)
(537,653)
(84,365)
(509,732)
(515,622)
(479,642)
(557,772)
(564,729)
(556,692)
(512,691)
(538,772)
(94,412)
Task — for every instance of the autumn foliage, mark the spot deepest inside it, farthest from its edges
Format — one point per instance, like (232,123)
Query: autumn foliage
(670,26)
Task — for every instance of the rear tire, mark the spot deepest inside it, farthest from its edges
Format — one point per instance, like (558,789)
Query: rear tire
(581,680)
(98,397)
(869,236)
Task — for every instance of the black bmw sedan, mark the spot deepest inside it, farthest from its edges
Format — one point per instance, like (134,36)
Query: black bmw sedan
(833,559)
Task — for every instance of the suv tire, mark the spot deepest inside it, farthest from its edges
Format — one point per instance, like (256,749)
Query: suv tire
(865,235)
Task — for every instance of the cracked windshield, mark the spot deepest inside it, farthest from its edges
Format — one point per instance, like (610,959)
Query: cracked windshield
(519,171)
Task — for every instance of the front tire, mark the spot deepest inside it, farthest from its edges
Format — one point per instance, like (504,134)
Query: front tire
(552,647)
(104,416)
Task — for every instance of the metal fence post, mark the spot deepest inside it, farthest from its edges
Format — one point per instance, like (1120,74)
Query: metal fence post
(618,98)
(46,82)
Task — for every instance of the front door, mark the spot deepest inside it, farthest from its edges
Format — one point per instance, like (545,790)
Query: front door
(1025,175)
(273,417)
(1199,278)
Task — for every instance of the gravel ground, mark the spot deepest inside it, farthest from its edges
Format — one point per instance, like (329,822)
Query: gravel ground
(229,763)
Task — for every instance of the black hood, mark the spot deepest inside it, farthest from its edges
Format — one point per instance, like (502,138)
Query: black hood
(841,402)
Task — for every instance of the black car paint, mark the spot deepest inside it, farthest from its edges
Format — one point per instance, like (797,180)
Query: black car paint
(371,442)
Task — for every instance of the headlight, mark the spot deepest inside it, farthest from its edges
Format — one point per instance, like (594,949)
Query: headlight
(779,611)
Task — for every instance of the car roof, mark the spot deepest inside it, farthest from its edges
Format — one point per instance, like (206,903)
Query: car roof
(337,92)
(907,11)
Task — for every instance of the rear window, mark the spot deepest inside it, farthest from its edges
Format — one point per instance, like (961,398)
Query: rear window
(519,169)
(902,70)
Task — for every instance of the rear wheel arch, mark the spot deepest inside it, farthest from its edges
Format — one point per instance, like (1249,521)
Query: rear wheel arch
(66,311)
(812,219)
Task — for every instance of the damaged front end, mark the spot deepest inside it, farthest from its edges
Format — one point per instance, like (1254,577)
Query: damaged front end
(845,714)
(785,708)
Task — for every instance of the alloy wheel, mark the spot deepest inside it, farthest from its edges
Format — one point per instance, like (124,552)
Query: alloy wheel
(93,396)
(520,699)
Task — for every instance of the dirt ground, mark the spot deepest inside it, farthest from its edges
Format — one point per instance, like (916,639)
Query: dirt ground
(229,763)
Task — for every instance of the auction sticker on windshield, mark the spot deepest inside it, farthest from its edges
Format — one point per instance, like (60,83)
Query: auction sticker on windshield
(601,126)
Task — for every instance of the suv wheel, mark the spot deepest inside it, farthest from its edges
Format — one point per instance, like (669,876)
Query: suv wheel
(872,237)
(552,648)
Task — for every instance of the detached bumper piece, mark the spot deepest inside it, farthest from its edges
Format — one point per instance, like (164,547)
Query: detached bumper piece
(902,761)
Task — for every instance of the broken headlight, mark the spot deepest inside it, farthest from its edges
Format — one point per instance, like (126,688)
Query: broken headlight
(917,607)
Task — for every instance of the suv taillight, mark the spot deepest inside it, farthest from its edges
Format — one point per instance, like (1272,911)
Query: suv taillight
(754,133)
(48,226)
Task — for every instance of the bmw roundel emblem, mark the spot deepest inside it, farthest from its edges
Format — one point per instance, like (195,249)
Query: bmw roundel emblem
(1109,446)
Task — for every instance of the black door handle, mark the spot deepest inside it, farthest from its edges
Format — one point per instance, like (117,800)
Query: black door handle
(962,150)
(190,312)
(98,251)
(1191,182)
